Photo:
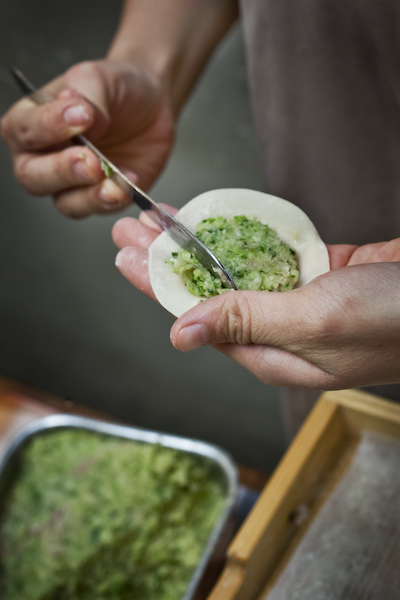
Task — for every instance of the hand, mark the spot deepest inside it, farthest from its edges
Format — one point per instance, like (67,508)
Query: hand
(120,107)
(341,330)
(133,237)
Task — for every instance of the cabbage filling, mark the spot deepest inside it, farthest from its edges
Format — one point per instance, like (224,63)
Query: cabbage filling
(251,252)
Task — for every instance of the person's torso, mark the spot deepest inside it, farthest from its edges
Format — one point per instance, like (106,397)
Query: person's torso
(325,83)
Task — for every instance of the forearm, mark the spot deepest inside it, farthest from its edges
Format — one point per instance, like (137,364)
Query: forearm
(172,38)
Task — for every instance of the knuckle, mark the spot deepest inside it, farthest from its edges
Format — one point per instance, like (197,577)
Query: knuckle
(236,321)
(68,210)
(73,204)
(62,169)
(84,70)
(23,175)
(26,136)
(16,125)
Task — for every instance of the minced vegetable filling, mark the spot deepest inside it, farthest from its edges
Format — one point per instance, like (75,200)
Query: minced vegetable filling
(94,517)
(251,252)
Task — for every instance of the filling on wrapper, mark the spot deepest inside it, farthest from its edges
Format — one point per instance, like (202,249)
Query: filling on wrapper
(287,221)
(251,252)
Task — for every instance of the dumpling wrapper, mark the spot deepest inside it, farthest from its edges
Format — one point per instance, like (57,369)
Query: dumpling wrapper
(290,223)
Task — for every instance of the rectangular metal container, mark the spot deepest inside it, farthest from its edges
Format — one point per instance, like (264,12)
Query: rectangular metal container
(220,458)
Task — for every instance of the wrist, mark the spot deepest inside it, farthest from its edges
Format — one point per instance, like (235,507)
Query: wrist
(136,57)
(172,40)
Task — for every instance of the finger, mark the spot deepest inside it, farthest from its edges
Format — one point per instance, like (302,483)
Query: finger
(146,220)
(130,232)
(105,197)
(270,318)
(48,174)
(133,264)
(133,232)
(27,127)
(377,252)
(340,254)
(171,209)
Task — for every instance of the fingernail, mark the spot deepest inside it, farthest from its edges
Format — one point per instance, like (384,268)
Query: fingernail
(76,115)
(111,195)
(131,176)
(118,260)
(82,172)
(108,201)
(192,337)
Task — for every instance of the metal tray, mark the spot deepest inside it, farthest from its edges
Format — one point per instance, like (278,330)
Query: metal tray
(221,459)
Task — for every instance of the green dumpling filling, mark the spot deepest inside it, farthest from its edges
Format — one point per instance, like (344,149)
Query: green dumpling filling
(93,517)
(251,252)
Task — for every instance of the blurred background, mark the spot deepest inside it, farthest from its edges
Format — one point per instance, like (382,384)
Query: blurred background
(69,323)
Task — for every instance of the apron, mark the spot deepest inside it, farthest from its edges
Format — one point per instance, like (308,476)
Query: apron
(324,77)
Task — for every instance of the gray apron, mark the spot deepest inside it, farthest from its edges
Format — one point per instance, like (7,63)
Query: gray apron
(325,83)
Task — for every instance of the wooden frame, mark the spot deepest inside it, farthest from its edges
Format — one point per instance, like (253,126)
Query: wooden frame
(308,471)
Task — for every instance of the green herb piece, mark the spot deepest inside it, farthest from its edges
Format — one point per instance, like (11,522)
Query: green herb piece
(108,171)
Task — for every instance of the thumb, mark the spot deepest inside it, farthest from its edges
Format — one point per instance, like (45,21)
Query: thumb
(240,317)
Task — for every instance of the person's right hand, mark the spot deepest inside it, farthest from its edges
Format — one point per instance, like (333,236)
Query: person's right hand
(122,108)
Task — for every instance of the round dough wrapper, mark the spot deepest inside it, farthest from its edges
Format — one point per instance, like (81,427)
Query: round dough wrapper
(290,223)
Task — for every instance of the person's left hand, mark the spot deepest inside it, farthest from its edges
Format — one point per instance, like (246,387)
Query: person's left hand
(340,330)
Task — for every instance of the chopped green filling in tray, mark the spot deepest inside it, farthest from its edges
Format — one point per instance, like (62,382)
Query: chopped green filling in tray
(97,517)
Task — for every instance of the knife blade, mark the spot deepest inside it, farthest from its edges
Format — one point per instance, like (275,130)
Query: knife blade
(176,230)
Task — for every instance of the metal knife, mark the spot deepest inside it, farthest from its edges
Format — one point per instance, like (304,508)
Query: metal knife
(178,232)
